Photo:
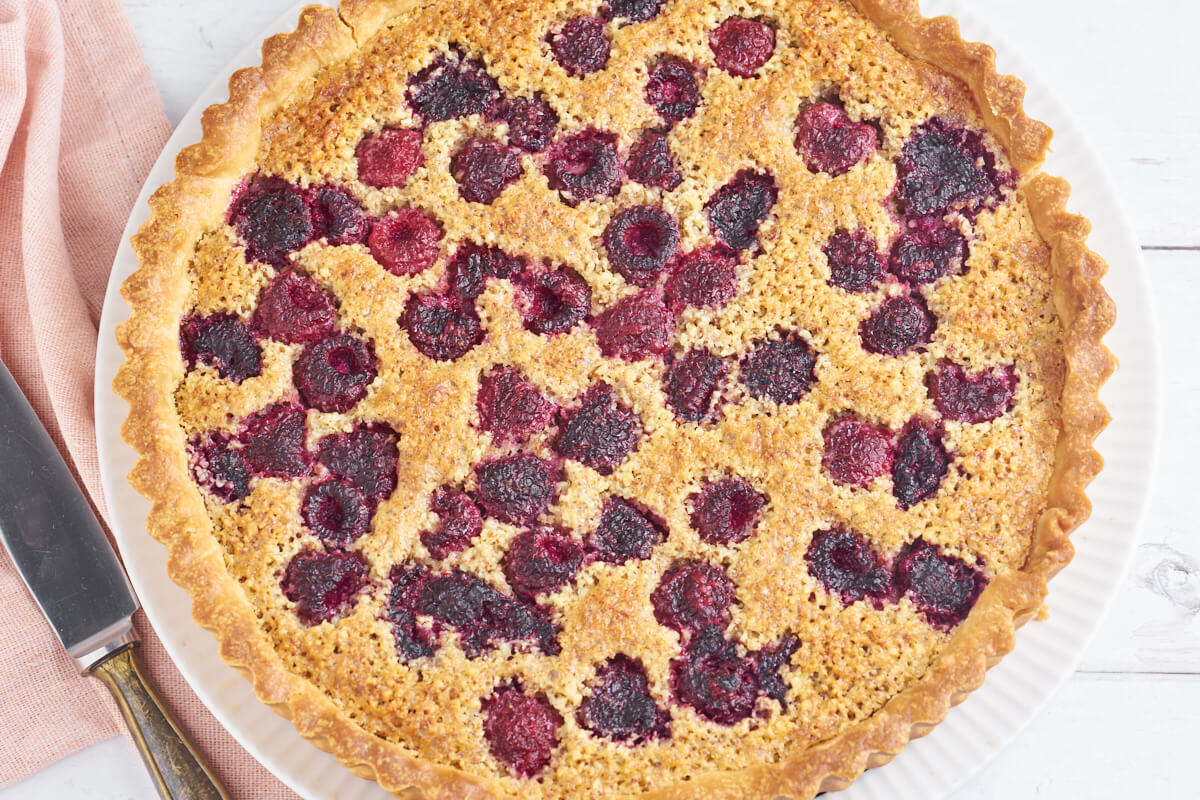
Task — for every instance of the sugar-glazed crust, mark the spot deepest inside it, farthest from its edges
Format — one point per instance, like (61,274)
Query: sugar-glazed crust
(206,174)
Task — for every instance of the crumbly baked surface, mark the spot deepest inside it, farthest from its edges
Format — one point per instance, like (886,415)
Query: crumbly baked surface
(729,519)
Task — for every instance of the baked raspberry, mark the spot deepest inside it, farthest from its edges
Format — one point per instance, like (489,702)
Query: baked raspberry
(540,560)
(692,596)
(273,219)
(521,730)
(516,488)
(365,457)
(740,46)
(726,511)
(854,262)
(769,664)
(471,266)
(693,384)
(898,325)
(223,342)
(323,585)
(452,87)
(459,522)
(413,639)
(650,162)
(484,168)
(635,10)
(584,165)
(274,442)
(921,463)
(389,158)
(600,432)
(704,278)
(926,250)
(737,209)
(406,241)
(295,309)
(440,327)
(619,705)
(510,406)
(830,141)
(635,327)
(780,369)
(640,241)
(555,301)
(846,566)
(531,122)
(711,677)
(220,468)
(943,587)
(943,167)
(337,513)
(338,218)
(581,46)
(856,453)
(333,374)
(980,397)
(625,532)
(672,89)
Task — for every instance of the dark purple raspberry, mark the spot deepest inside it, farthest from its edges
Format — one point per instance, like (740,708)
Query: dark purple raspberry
(944,167)
(540,560)
(780,369)
(635,10)
(830,141)
(220,468)
(926,250)
(854,262)
(516,488)
(976,398)
(338,218)
(726,511)
(650,162)
(635,327)
(366,457)
(295,309)
(737,209)
(471,266)
(581,46)
(921,463)
(413,640)
(846,566)
(333,374)
(337,513)
(510,406)
(272,217)
(856,453)
(711,677)
(389,158)
(223,342)
(619,705)
(943,587)
(531,122)
(406,241)
(692,596)
(600,432)
(672,89)
(521,730)
(625,532)
(274,442)
(459,522)
(898,325)
(451,87)
(484,168)
(640,241)
(440,328)
(693,384)
(705,278)
(740,46)
(323,585)
(554,302)
(584,165)
(770,662)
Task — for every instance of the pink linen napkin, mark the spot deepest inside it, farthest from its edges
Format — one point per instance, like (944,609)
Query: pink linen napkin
(80,125)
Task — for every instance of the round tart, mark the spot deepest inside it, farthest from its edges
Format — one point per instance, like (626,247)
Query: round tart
(606,399)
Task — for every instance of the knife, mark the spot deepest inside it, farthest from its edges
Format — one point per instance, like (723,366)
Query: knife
(62,554)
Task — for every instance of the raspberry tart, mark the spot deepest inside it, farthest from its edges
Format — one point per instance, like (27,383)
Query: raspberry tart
(620,398)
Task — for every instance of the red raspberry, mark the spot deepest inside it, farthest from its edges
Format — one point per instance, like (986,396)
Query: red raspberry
(406,241)
(323,585)
(704,278)
(856,453)
(782,369)
(736,210)
(459,522)
(726,511)
(223,342)
(672,89)
(692,596)
(740,46)
(440,327)
(555,301)
(389,158)
(830,141)
(584,165)
(846,566)
(295,309)
(510,406)
(976,398)
(650,162)
(635,327)
(898,325)
(640,241)
(943,587)
(693,384)
(337,513)
(619,705)
(484,168)
(600,432)
(540,560)
(521,730)
(333,374)
(274,442)
(854,262)
(581,46)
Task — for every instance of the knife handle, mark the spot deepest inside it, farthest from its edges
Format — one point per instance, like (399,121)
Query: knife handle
(177,770)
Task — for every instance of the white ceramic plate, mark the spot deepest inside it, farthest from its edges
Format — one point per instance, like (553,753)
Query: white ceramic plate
(974,732)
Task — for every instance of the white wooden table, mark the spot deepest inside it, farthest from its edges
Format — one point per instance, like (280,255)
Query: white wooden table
(1125,725)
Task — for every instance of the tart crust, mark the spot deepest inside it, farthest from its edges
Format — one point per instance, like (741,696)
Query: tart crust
(206,173)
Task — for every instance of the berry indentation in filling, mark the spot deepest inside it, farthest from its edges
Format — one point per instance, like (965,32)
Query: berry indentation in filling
(693,385)
(521,730)
(854,262)
(584,165)
(635,10)
(295,309)
(337,513)
(975,398)
(640,241)
(856,453)
(927,249)
(600,432)
(830,141)
(921,463)
(333,374)
(510,406)
(581,46)
(451,87)
(782,370)
(223,342)
(900,324)
(389,158)
(441,328)
(692,596)
(221,469)
(619,705)
(846,566)
(625,532)
(943,167)
(459,522)
(337,216)
(672,89)
(714,679)
(704,278)
(650,162)
(366,457)
(740,46)
(555,301)
(323,585)
(516,488)
(483,169)
(635,327)
(471,266)
(943,587)
(405,242)
(726,511)
(540,560)
(737,209)
(275,442)
(273,219)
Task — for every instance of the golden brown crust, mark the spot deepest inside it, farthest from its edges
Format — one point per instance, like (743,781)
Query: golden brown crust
(205,175)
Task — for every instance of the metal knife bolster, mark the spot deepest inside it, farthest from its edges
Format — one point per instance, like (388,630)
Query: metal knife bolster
(92,651)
